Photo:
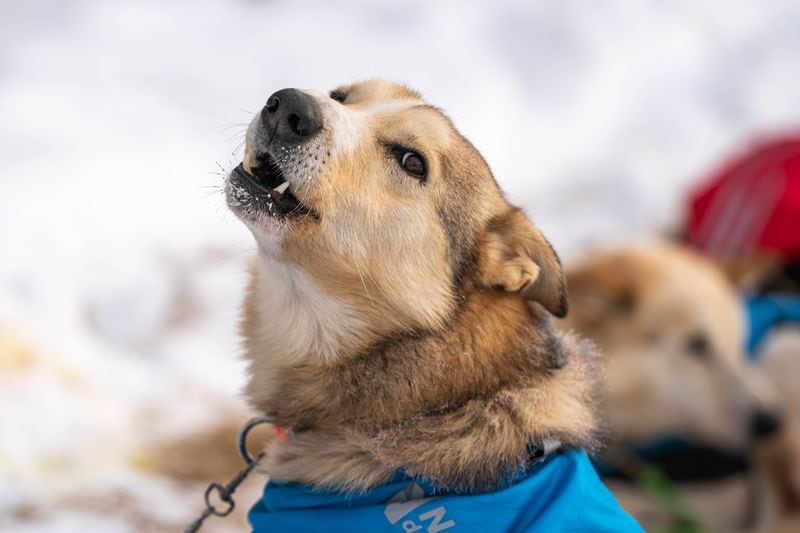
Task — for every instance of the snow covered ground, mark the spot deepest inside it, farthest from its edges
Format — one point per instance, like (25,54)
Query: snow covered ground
(121,271)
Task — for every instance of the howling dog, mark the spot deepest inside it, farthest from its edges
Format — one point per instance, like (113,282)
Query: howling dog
(397,326)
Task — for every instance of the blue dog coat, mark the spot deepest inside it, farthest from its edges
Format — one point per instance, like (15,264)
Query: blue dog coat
(562,493)
(765,313)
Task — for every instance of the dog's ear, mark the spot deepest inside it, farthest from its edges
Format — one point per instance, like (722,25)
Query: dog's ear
(603,287)
(515,257)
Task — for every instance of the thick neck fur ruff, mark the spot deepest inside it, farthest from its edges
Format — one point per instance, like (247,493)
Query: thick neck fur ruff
(458,406)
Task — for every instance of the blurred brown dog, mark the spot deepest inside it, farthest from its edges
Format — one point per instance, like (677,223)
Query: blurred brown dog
(672,328)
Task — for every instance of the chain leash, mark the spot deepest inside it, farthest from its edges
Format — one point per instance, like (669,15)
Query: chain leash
(225,492)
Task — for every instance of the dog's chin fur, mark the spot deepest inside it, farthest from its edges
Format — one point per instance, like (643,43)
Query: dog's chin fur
(408,326)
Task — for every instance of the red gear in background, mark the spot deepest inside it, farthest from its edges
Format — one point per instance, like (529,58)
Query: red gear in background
(751,205)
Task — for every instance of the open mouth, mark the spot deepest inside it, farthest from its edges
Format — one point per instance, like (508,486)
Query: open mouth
(264,191)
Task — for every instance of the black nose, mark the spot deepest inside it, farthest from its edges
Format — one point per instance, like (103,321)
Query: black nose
(291,116)
(764,423)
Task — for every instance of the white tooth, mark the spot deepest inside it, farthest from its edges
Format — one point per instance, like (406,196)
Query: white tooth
(282,187)
(249,162)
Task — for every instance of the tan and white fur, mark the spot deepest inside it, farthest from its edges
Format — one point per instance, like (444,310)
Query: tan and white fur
(400,322)
(672,329)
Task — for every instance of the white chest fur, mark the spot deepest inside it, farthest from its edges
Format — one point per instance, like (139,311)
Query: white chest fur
(296,319)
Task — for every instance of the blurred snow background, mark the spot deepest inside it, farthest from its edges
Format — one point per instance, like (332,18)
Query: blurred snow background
(121,271)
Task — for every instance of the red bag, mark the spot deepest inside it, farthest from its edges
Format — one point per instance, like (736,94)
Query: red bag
(751,205)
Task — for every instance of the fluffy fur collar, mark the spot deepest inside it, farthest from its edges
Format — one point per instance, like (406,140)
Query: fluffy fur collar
(458,408)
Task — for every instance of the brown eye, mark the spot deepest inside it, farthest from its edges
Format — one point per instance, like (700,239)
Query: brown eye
(413,164)
(339,96)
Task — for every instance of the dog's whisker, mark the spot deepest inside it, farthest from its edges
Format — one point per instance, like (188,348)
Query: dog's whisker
(335,188)
(222,171)
(240,133)
(225,127)
(213,190)
(363,284)
(238,149)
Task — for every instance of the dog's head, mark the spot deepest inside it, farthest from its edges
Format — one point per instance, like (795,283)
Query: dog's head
(673,331)
(370,207)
